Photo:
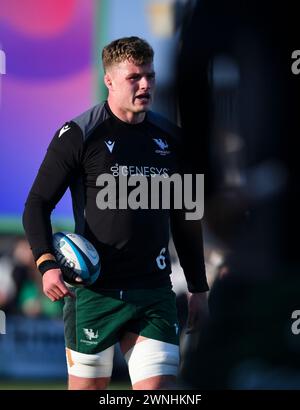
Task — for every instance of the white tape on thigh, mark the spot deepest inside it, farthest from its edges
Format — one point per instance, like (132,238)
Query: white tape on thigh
(90,365)
(152,358)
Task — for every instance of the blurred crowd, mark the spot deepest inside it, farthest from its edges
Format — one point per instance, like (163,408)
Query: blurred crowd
(21,285)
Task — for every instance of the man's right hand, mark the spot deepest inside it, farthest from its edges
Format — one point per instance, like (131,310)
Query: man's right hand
(54,286)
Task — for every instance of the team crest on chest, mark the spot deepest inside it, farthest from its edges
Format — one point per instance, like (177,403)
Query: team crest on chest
(163,146)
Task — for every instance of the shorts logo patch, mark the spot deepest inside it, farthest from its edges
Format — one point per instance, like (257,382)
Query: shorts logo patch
(90,335)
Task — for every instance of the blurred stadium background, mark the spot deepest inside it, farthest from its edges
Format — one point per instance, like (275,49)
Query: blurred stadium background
(237,97)
(53,72)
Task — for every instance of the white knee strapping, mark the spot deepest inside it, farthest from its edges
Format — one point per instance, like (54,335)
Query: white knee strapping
(152,358)
(90,365)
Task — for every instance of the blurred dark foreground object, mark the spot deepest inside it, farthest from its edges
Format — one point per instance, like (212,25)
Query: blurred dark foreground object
(239,108)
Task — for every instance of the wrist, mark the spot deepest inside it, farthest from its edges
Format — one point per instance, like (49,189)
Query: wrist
(47,265)
(45,257)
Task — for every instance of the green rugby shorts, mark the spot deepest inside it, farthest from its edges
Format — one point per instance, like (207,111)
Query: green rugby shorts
(96,320)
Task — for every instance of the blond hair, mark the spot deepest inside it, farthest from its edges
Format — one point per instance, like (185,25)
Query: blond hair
(133,49)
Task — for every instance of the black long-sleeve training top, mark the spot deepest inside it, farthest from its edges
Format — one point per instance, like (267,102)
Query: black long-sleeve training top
(132,243)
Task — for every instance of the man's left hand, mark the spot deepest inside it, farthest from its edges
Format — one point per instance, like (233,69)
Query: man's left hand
(197,311)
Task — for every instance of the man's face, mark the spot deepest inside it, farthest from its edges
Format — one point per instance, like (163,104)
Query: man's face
(131,86)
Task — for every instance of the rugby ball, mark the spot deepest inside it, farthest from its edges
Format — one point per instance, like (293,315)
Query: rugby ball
(76,257)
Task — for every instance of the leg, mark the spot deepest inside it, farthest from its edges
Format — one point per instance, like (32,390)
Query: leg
(156,383)
(152,364)
(89,371)
(84,383)
(87,316)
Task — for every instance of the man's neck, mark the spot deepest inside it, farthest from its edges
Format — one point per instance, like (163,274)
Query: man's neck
(126,116)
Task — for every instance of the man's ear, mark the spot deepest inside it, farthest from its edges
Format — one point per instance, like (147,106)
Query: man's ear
(108,81)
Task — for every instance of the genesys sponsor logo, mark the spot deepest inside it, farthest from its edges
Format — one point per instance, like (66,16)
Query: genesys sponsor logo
(133,170)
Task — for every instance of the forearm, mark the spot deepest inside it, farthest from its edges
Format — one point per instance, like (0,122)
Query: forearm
(188,241)
(37,226)
(198,311)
